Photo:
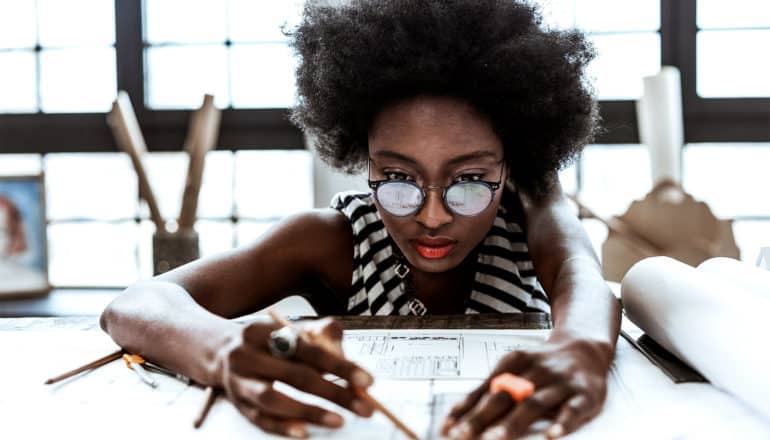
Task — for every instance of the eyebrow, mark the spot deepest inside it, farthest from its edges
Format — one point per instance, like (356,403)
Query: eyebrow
(479,154)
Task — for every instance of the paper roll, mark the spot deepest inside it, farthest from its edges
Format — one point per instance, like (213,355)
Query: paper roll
(708,320)
(661,127)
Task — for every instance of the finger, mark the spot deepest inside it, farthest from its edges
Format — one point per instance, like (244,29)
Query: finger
(257,334)
(270,424)
(309,380)
(490,408)
(276,404)
(514,362)
(326,332)
(325,361)
(528,411)
(576,411)
(460,409)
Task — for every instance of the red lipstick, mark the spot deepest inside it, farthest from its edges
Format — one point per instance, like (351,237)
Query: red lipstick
(433,247)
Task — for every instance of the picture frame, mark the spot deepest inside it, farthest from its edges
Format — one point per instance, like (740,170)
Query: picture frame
(23,238)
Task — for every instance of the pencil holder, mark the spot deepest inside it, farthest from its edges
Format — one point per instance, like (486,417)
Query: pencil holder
(170,250)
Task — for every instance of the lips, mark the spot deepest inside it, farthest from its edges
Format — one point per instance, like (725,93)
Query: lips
(433,247)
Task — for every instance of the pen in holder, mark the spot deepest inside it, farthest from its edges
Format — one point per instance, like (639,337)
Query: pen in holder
(173,249)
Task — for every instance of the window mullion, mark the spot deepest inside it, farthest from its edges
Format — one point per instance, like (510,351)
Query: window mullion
(130,51)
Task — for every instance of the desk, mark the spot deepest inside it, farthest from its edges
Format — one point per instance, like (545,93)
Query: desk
(110,403)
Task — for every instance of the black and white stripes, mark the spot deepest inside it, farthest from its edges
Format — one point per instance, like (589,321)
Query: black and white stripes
(505,278)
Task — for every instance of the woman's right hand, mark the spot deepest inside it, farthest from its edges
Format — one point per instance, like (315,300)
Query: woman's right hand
(247,370)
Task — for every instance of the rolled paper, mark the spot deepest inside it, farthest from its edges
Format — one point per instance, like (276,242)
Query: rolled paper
(661,126)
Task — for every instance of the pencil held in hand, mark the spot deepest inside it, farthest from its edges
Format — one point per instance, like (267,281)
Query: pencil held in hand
(328,345)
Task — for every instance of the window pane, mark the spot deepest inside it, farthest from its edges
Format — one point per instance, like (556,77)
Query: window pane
(568,179)
(20,164)
(731,178)
(166,172)
(185,21)
(261,21)
(90,186)
(729,65)
(263,76)
(77,80)
(619,16)
(602,15)
(272,184)
(214,237)
(17,24)
(622,61)
(178,77)
(247,231)
(614,176)
(18,82)
(76,23)
(558,14)
(750,235)
(715,14)
(92,254)
(216,197)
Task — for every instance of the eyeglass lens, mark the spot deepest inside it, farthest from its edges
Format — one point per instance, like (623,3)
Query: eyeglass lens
(463,198)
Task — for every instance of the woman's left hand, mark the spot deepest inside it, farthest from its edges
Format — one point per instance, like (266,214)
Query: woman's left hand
(570,377)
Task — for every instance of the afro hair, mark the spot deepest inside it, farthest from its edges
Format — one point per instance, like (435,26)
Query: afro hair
(358,57)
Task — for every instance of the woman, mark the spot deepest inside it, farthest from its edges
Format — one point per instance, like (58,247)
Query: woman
(462,112)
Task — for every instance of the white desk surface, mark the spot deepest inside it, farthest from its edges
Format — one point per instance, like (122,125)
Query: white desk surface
(111,403)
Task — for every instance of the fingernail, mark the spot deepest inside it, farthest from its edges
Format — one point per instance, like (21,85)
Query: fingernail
(496,433)
(448,423)
(460,432)
(556,430)
(332,419)
(297,431)
(362,379)
(361,408)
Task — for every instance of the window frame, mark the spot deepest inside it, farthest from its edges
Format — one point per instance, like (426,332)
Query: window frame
(705,119)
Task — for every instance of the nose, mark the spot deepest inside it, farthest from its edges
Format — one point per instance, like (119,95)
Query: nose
(433,213)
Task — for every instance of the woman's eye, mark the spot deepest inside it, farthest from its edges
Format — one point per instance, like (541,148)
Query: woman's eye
(470,177)
(393,175)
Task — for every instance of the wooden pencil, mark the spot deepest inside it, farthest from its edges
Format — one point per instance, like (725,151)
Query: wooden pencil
(211,397)
(360,392)
(89,366)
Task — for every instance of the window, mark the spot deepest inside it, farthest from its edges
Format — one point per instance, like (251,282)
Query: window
(731,45)
(167,53)
(56,59)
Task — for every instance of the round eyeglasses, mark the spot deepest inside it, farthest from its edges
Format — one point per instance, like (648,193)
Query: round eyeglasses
(402,198)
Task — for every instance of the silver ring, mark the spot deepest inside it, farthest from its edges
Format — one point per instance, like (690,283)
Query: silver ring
(283,342)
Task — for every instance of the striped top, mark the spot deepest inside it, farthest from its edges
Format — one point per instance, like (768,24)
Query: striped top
(505,280)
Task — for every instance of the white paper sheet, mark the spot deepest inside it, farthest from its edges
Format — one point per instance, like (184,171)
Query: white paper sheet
(113,403)
(710,320)
(432,354)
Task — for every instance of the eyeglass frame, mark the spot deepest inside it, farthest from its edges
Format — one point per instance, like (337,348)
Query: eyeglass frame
(493,186)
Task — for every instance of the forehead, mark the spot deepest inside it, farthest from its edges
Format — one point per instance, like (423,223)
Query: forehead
(433,129)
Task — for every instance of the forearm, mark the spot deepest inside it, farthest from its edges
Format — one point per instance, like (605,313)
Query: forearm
(582,304)
(161,322)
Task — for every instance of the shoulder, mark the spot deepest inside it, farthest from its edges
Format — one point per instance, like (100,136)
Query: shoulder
(314,235)
(321,244)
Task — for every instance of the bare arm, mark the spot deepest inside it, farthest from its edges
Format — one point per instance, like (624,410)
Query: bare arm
(582,305)
(180,320)
(570,370)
